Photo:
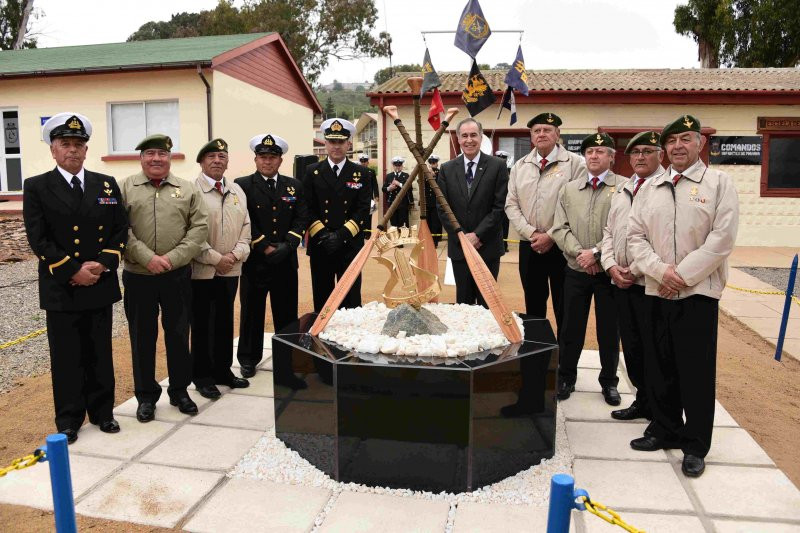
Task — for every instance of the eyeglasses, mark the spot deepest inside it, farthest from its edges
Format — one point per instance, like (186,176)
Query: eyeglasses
(636,153)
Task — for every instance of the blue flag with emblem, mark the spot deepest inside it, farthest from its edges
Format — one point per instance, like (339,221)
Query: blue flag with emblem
(473,30)
(509,103)
(516,76)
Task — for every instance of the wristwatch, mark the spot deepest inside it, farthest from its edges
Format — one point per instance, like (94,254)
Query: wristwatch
(596,253)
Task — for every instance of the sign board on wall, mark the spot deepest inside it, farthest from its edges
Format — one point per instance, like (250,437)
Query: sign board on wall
(572,141)
(734,150)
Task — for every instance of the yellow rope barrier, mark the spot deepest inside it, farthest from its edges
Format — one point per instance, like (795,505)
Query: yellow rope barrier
(597,509)
(795,299)
(23,462)
(23,338)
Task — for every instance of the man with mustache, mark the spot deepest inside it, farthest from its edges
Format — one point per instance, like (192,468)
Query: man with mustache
(168,227)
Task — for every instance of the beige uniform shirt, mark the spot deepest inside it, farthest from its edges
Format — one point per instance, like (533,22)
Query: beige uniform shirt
(533,194)
(692,225)
(581,215)
(170,220)
(615,234)
(228,229)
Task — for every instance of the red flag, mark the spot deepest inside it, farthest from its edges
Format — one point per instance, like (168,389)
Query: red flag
(437,107)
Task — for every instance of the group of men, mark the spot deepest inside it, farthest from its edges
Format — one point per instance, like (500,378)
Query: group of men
(651,250)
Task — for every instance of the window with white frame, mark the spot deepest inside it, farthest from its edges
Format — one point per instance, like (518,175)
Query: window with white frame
(130,122)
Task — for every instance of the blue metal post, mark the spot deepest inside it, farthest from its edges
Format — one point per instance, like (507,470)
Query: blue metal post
(562,490)
(61,483)
(787,306)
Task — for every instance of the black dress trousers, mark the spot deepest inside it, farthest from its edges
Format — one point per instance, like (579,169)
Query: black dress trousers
(466,290)
(80,355)
(326,270)
(280,283)
(630,311)
(680,369)
(579,288)
(541,276)
(170,292)
(212,330)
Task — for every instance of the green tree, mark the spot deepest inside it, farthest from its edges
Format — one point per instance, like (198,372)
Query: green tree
(315,31)
(501,66)
(337,86)
(330,110)
(707,22)
(11,17)
(385,74)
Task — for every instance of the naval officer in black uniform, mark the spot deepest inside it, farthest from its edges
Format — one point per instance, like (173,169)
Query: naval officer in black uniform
(339,195)
(278,218)
(77,226)
(392,184)
(431,209)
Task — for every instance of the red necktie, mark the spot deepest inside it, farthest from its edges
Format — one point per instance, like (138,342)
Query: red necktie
(594,183)
(638,185)
(676,179)
(544,163)
(156,183)
(218,186)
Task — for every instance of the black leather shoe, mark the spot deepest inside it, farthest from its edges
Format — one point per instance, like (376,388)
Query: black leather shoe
(652,444)
(146,412)
(291,381)
(72,435)
(237,383)
(209,391)
(185,405)
(564,390)
(248,371)
(515,410)
(630,413)
(109,426)
(693,466)
(611,395)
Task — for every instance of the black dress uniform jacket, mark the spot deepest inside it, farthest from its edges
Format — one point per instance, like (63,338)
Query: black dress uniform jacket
(280,216)
(64,233)
(402,177)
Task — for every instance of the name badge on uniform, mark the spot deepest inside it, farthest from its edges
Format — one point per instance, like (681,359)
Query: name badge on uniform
(107,201)
(352,185)
(289,199)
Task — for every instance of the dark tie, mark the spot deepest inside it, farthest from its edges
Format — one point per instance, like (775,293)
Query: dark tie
(638,186)
(676,179)
(470,175)
(544,163)
(271,184)
(156,183)
(76,188)
(336,170)
(594,183)
(218,186)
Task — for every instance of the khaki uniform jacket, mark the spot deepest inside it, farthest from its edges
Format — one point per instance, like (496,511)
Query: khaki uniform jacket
(170,220)
(533,194)
(692,225)
(615,235)
(228,229)
(581,215)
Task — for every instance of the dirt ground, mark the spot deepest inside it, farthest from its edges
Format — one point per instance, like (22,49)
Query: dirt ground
(760,393)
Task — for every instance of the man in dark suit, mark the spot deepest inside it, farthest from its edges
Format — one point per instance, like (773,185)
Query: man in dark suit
(475,185)
(339,194)
(431,209)
(77,226)
(278,218)
(363,160)
(392,184)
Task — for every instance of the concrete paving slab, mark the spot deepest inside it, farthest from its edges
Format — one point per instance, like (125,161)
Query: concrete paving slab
(635,485)
(722,417)
(589,359)
(592,406)
(587,382)
(601,440)
(735,445)
(355,512)
(208,448)
(164,411)
(165,383)
(259,506)
(131,440)
(770,327)
(652,523)
(31,486)
(155,495)
(763,256)
(745,308)
(790,346)
(266,355)
(740,526)
(238,411)
(260,385)
(266,364)
(494,518)
(741,491)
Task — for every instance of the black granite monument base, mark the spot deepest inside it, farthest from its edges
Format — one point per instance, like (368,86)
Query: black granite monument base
(419,423)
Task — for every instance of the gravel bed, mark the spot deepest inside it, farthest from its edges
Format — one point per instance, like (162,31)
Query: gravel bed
(20,315)
(777,277)
(270,459)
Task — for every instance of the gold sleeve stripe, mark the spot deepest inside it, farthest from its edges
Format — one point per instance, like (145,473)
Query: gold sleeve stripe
(256,241)
(315,227)
(296,235)
(109,251)
(56,265)
(352,226)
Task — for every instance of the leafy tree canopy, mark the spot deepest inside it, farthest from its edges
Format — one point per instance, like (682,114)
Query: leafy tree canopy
(10,19)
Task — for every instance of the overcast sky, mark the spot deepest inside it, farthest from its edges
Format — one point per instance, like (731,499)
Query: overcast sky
(558,34)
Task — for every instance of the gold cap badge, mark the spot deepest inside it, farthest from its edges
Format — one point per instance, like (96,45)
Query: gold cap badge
(688,123)
(599,139)
(74,124)
(550,118)
(220,145)
(336,126)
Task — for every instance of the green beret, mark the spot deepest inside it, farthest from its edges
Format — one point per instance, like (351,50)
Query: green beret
(550,119)
(216,145)
(645,138)
(597,139)
(157,141)
(680,125)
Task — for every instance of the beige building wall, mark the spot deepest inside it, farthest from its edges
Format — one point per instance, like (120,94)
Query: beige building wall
(90,96)
(763,221)
(241,111)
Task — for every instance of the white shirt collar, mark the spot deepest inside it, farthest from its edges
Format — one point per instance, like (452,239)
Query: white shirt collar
(275,177)
(600,179)
(68,176)
(673,172)
(550,157)
(475,166)
(339,165)
(211,181)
